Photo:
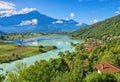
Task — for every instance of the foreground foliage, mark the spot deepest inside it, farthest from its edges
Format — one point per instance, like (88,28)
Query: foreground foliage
(105,77)
(78,66)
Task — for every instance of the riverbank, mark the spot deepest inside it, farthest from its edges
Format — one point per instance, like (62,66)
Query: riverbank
(11,52)
(18,36)
(61,42)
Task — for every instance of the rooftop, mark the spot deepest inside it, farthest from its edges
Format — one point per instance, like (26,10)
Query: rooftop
(107,67)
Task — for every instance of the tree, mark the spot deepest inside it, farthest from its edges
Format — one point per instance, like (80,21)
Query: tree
(61,54)
(104,77)
(2,78)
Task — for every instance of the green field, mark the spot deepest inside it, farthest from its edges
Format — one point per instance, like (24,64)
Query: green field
(12,52)
(18,36)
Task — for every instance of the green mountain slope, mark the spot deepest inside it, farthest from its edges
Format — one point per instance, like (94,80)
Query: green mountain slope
(109,26)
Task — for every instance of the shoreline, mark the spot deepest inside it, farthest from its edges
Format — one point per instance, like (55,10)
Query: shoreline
(19,52)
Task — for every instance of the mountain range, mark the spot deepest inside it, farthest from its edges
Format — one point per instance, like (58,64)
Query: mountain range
(1,32)
(36,22)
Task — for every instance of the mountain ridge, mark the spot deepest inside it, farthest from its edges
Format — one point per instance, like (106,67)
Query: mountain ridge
(37,22)
(1,32)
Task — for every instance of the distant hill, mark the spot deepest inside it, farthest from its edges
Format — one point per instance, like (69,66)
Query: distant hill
(110,27)
(37,22)
(1,32)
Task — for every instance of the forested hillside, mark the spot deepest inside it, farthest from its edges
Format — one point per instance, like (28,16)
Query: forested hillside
(109,27)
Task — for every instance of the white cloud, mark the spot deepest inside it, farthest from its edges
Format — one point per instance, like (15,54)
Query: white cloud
(6,5)
(7,13)
(72,15)
(25,10)
(94,21)
(8,9)
(58,22)
(28,22)
(66,19)
(118,11)
(79,24)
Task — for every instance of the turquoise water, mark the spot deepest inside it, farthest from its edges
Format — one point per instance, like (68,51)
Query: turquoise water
(62,43)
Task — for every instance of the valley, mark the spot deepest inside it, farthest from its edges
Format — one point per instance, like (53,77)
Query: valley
(60,41)
(78,64)
(47,47)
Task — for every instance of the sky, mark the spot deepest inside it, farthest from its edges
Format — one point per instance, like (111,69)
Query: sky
(87,11)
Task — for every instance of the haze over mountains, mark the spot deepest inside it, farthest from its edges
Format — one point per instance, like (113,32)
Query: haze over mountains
(1,32)
(34,21)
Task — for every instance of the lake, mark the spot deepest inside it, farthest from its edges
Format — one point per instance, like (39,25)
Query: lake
(61,42)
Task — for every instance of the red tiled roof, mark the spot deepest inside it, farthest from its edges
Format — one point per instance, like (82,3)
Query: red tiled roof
(89,48)
(106,67)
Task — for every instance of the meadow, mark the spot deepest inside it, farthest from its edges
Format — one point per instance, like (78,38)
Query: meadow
(11,52)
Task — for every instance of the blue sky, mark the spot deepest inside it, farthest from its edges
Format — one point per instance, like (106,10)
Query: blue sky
(87,11)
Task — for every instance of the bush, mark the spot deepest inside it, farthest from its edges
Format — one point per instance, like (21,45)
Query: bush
(104,77)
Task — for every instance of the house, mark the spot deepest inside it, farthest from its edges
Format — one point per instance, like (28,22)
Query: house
(89,47)
(107,67)
(91,43)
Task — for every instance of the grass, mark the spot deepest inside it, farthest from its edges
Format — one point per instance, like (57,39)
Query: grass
(12,52)
(18,36)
